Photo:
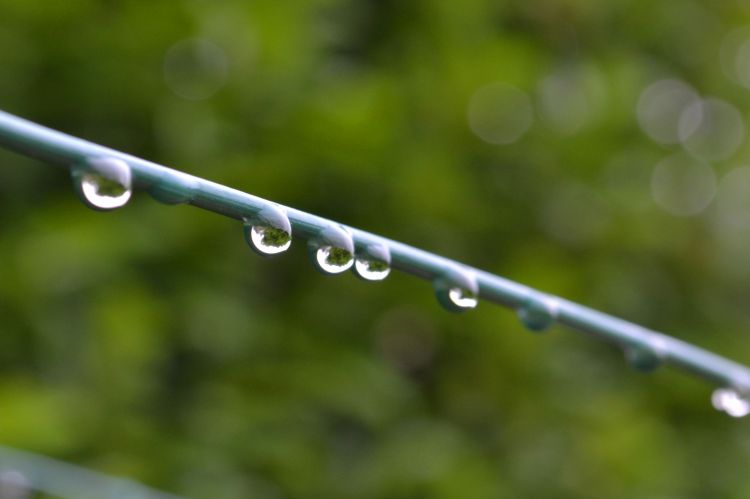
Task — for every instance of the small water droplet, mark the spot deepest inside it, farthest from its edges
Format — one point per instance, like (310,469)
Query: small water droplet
(373,263)
(333,260)
(371,270)
(269,231)
(538,314)
(457,291)
(642,359)
(731,401)
(103,183)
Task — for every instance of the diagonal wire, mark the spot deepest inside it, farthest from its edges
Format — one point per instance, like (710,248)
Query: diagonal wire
(22,471)
(644,348)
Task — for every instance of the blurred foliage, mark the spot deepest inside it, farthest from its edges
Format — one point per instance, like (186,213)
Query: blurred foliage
(151,343)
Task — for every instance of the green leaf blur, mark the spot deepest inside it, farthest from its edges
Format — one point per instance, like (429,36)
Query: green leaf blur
(150,342)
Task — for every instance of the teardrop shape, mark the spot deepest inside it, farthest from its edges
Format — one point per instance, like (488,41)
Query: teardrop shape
(332,250)
(642,359)
(269,232)
(103,183)
(371,270)
(174,188)
(333,260)
(457,290)
(538,313)
(373,263)
(269,240)
(731,401)
(647,358)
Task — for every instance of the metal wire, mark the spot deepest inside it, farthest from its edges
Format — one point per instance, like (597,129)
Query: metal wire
(644,348)
(22,472)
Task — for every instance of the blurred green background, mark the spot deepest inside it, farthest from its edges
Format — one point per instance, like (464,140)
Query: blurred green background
(524,137)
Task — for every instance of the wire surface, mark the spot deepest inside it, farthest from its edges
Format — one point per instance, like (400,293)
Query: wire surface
(643,347)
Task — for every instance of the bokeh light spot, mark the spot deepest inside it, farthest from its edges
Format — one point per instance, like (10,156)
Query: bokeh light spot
(500,113)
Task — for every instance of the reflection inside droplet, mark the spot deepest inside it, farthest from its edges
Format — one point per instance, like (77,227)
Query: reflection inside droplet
(333,260)
(102,192)
(269,240)
(462,298)
(371,270)
(730,401)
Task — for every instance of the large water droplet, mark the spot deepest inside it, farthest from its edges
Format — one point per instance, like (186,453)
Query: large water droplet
(373,262)
(538,313)
(269,231)
(730,401)
(269,240)
(371,270)
(103,183)
(457,291)
(333,260)
(332,250)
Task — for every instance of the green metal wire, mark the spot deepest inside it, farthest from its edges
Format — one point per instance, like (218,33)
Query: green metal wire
(22,472)
(457,284)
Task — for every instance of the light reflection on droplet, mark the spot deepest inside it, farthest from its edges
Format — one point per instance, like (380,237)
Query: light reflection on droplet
(500,113)
(660,107)
(371,270)
(711,129)
(462,298)
(14,485)
(103,193)
(103,183)
(195,68)
(269,240)
(683,185)
(333,260)
(730,401)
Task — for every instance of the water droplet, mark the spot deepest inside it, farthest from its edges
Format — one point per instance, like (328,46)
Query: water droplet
(103,183)
(174,188)
(371,270)
(373,263)
(538,313)
(269,240)
(269,231)
(332,250)
(730,401)
(333,260)
(643,359)
(457,291)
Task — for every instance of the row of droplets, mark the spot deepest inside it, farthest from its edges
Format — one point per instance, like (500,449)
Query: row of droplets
(106,184)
